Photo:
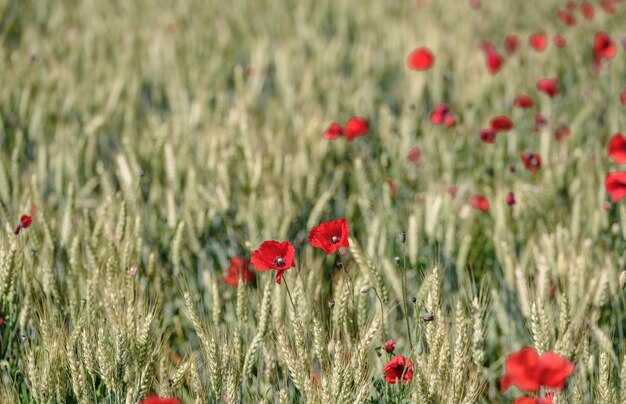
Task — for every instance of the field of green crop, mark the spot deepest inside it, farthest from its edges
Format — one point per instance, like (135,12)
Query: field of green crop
(145,145)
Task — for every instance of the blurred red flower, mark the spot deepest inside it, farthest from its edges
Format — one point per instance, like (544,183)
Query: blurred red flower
(398,367)
(615,184)
(333,131)
(274,255)
(511,42)
(539,41)
(494,62)
(501,123)
(540,121)
(154,399)
(510,199)
(532,161)
(608,6)
(549,86)
(26,220)
(488,135)
(523,101)
(587,10)
(566,17)
(561,132)
(603,47)
(479,202)
(420,59)
(355,127)
(414,155)
(536,400)
(390,345)
(239,269)
(329,236)
(559,41)
(442,116)
(528,371)
(617,148)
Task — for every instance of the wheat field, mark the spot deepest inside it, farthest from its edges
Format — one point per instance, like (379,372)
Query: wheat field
(147,146)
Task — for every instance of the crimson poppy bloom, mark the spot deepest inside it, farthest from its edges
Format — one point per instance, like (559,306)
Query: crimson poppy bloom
(539,41)
(25,220)
(615,184)
(549,86)
(494,62)
(559,41)
(540,121)
(396,368)
(154,399)
(528,371)
(355,127)
(536,400)
(415,155)
(566,17)
(617,148)
(420,59)
(329,236)
(603,47)
(442,116)
(622,97)
(479,202)
(501,123)
(562,132)
(510,199)
(239,269)
(511,42)
(488,135)
(390,345)
(524,102)
(587,10)
(274,255)
(532,161)
(333,131)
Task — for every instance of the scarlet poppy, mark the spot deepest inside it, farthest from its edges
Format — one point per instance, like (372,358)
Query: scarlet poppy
(25,220)
(420,59)
(442,116)
(559,41)
(549,86)
(154,399)
(536,400)
(510,199)
(566,17)
(494,62)
(603,47)
(399,368)
(501,123)
(615,184)
(239,269)
(414,155)
(587,10)
(528,371)
(523,101)
(479,202)
(329,236)
(532,161)
(607,6)
(333,131)
(488,47)
(539,41)
(487,135)
(561,132)
(390,345)
(540,121)
(355,127)
(511,42)
(274,255)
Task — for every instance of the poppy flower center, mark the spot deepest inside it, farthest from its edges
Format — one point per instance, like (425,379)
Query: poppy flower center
(334,239)
(279,262)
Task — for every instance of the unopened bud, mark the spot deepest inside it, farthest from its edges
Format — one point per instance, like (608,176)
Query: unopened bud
(414,299)
(402,237)
(339,262)
(365,289)
(622,279)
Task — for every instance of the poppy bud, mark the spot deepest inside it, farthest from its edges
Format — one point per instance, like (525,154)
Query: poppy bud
(397,260)
(390,345)
(331,303)
(339,262)
(622,279)
(365,289)
(510,199)
(426,316)
(414,299)
(402,237)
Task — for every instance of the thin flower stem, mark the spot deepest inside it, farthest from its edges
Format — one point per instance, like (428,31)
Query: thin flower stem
(382,316)
(289,293)
(404,298)
(354,318)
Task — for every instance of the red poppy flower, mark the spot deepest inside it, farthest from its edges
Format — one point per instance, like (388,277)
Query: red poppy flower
(559,41)
(622,97)
(390,345)
(540,121)
(488,47)
(510,199)
(333,131)
(488,136)
(479,202)
(607,6)
(528,371)
(420,59)
(442,116)
(562,132)
(329,236)
(511,42)
(355,127)
(494,62)
(615,184)
(25,220)
(539,41)
(536,400)
(566,17)
(571,6)
(274,255)
(154,399)
(415,155)
(617,148)
(523,101)
(501,123)
(549,86)
(396,368)
(603,47)
(587,10)
(532,161)
(239,269)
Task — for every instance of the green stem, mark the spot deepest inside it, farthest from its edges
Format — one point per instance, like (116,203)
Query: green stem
(289,293)
(382,316)
(404,299)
